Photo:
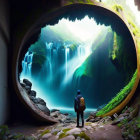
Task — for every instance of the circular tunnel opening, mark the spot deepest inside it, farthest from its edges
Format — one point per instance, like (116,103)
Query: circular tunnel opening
(80,46)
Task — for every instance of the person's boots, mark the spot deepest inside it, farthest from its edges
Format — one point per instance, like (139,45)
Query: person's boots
(82,122)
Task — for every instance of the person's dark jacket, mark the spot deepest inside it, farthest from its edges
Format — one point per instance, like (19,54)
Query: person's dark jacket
(77,102)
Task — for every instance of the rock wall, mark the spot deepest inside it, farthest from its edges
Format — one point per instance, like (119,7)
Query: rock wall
(4,37)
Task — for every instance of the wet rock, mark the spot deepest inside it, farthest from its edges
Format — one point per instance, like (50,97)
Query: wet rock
(28,89)
(32,93)
(23,84)
(55,114)
(90,118)
(93,114)
(54,110)
(44,109)
(66,114)
(41,101)
(27,82)
(34,99)
(106,119)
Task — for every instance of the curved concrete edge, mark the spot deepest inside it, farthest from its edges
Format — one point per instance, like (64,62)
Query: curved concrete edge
(39,114)
(118,108)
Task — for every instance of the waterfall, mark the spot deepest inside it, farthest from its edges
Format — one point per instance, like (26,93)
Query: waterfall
(66,59)
(49,56)
(27,64)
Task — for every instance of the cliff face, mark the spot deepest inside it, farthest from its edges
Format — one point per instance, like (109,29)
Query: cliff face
(113,59)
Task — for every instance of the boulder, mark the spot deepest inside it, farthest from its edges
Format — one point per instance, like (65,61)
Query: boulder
(53,110)
(41,101)
(66,114)
(32,93)
(55,114)
(93,114)
(23,84)
(28,89)
(89,118)
(44,109)
(27,82)
(74,131)
(34,99)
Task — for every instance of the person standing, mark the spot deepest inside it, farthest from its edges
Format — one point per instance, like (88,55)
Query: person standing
(79,106)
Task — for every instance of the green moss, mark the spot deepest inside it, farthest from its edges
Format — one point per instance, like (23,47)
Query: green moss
(44,132)
(55,133)
(38,48)
(123,122)
(3,131)
(39,59)
(62,135)
(80,1)
(115,47)
(66,130)
(117,8)
(81,135)
(119,97)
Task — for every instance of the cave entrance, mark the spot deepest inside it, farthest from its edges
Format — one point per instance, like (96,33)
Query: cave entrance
(87,48)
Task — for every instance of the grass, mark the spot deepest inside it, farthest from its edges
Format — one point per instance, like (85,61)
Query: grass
(119,97)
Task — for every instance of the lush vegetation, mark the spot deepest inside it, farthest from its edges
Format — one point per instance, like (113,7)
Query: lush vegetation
(119,97)
(80,1)
(6,135)
(130,128)
(39,58)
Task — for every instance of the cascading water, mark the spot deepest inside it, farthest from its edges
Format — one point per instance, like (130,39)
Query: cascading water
(76,58)
(27,65)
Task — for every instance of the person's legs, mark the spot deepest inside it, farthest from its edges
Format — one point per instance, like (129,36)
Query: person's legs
(77,119)
(82,117)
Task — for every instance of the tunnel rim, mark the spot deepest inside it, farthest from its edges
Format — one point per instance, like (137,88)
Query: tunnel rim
(19,89)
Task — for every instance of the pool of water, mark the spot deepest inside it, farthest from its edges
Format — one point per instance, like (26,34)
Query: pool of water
(72,113)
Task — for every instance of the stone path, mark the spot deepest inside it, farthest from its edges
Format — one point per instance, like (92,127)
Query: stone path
(61,131)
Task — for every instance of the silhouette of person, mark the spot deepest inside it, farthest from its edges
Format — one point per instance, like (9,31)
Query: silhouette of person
(79,106)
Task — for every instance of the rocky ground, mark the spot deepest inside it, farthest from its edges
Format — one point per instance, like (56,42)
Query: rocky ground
(118,127)
(125,126)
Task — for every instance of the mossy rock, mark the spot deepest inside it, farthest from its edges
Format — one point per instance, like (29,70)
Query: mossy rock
(62,135)
(44,132)
(82,135)
(66,130)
